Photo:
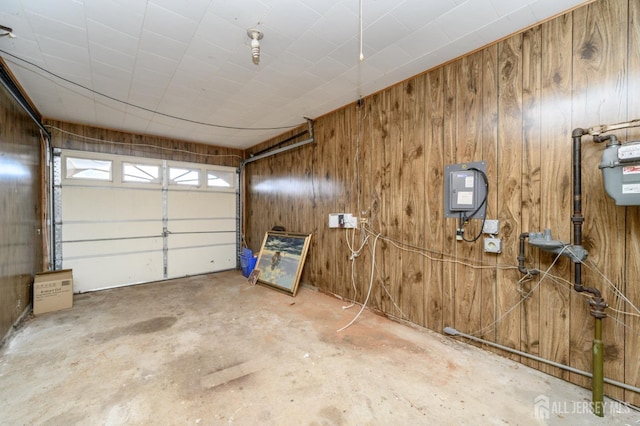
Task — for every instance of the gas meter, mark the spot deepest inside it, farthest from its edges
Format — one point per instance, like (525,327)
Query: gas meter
(620,167)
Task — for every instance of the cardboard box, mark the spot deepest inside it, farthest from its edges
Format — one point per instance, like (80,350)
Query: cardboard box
(52,291)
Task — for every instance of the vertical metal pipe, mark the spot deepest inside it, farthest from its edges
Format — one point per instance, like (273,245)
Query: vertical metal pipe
(597,381)
(165,219)
(240,203)
(597,304)
(577,218)
(522,257)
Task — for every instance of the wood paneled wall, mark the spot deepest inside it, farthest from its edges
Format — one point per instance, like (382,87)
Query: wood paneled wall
(512,104)
(20,241)
(87,138)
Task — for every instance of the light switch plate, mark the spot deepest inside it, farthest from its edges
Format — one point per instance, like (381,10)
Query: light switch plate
(342,220)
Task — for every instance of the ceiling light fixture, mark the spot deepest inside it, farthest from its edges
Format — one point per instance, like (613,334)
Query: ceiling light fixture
(255,35)
(9,32)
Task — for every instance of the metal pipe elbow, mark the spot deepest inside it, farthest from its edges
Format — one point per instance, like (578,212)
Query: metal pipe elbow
(521,257)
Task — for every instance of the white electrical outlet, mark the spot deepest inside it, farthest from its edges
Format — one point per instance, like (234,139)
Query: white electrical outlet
(493,245)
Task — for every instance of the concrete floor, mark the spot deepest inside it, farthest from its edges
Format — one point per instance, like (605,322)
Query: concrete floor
(213,349)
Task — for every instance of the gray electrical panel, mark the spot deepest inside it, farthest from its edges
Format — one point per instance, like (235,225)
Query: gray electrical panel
(465,190)
(620,167)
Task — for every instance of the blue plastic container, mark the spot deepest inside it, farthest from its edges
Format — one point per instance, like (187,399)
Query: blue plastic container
(247,262)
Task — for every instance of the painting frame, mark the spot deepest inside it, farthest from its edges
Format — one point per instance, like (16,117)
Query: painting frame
(281,260)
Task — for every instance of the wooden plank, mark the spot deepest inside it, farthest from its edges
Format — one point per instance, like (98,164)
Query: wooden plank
(20,210)
(449,141)
(269,210)
(363,198)
(597,66)
(333,201)
(393,202)
(412,182)
(277,215)
(531,163)
(313,220)
(632,240)
(555,178)
(355,190)
(468,149)
(344,178)
(509,187)
(260,219)
(324,184)
(308,223)
(378,127)
(434,200)
(487,327)
(296,173)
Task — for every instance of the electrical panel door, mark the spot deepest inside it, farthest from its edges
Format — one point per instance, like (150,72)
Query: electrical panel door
(465,189)
(463,192)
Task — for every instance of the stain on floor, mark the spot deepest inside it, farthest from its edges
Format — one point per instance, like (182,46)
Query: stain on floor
(214,350)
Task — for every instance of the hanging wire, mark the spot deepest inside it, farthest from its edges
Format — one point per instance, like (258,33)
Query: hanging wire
(373,260)
(361,53)
(104,95)
(442,257)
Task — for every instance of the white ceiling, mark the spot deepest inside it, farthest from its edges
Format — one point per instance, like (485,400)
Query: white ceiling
(191,58)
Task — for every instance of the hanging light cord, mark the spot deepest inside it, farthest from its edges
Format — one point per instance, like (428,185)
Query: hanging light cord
(361,54)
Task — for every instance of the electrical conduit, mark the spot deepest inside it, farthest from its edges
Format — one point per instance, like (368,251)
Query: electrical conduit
(453,332)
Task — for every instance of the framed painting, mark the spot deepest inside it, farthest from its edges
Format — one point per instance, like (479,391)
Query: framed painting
(281,260)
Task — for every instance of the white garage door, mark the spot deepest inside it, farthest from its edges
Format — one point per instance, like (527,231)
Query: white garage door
(128,220)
